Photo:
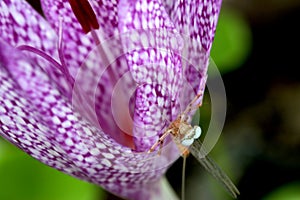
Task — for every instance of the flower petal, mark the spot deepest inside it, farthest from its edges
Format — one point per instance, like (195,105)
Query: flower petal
(20,24)
(93,73)
(153,55)
(196,20)
(37,119)
(77,44)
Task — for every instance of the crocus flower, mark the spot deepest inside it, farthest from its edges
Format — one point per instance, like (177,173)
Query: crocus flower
(66,81)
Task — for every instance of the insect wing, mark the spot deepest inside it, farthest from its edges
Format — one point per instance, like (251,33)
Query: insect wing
(198,151)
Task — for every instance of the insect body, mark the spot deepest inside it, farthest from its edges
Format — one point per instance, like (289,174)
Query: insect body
(186,138)
(187,134)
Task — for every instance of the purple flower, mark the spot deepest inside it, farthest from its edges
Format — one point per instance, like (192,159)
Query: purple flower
(90,101)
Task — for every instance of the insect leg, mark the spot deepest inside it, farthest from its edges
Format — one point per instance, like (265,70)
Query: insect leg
(160,141)
(191,107)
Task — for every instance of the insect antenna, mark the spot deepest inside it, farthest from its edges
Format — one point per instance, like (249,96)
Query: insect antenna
(190,107)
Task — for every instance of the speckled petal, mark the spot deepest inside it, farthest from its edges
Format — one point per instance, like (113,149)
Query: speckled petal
(77,44)
(91,71)
(152,47)
(165,68)
(196,20)
(20,24)
(39,120)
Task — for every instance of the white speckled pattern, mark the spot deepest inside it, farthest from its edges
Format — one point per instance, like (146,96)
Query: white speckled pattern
(36,111)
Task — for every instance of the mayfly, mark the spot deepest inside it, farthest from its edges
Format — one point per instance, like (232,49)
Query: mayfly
(186,138)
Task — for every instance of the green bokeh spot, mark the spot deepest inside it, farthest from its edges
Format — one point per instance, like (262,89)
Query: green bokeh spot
(24,178)
(289,191)
(232,41)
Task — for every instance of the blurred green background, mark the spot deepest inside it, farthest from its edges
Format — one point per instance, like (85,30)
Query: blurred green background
(256,49)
